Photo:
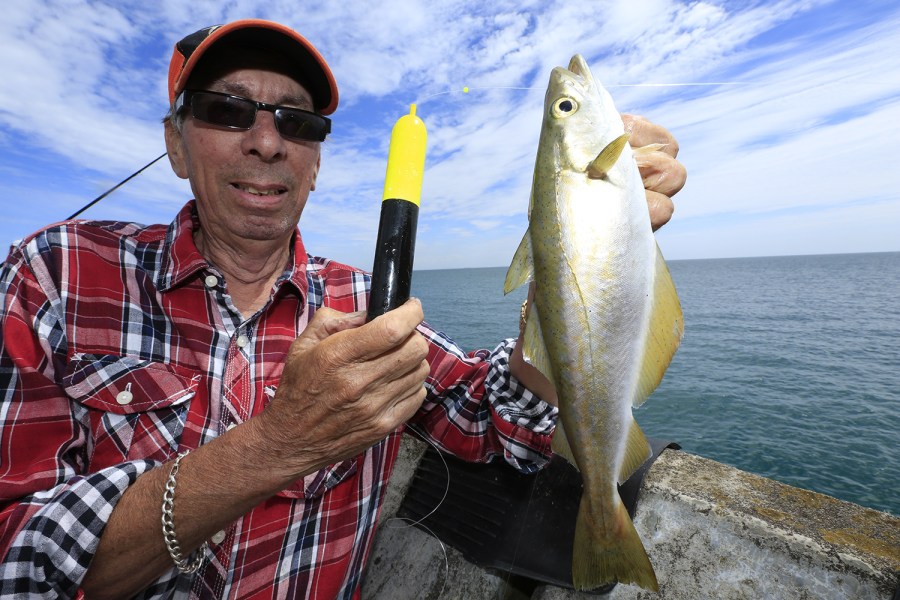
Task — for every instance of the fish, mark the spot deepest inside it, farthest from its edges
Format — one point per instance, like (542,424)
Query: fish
(605,319)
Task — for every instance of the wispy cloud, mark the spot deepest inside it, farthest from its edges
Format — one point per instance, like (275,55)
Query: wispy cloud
(789,158)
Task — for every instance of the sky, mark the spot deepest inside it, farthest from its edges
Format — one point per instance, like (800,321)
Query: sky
(787,114)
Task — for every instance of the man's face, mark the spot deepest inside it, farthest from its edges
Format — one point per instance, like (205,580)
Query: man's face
(249,185)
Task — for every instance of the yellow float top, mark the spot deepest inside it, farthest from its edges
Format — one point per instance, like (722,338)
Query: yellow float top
(406,159)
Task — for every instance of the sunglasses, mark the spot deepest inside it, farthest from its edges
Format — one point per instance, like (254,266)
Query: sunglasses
(234,112)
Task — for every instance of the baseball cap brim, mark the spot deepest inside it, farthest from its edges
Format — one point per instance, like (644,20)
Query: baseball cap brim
(313,69)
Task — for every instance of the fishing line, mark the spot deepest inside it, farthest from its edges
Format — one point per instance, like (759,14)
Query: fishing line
(115,187)
(446,471)
(443,548)
(411,523)
(467,89)
(686,84)
(464,90)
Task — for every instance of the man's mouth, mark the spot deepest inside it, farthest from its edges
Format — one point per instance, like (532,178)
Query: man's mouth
(272,190)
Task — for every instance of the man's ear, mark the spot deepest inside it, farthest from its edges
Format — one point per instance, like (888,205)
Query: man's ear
(175,147)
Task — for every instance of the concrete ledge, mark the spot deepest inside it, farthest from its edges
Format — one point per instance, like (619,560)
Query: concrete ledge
(711,531)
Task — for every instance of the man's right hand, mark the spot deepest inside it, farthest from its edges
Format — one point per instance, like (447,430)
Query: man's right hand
(346,385)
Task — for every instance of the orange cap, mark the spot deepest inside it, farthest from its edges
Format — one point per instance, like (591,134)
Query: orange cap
(316,74)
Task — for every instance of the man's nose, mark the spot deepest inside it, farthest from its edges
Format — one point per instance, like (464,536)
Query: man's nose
(263,139)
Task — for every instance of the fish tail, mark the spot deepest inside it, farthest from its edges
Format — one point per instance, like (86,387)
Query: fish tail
(606,554)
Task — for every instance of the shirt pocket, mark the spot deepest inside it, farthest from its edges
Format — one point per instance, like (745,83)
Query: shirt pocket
(316,484)
(137,408)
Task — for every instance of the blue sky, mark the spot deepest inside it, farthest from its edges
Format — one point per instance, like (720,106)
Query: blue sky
(792,154)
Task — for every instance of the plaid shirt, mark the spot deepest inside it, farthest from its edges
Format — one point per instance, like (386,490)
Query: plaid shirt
(93,309)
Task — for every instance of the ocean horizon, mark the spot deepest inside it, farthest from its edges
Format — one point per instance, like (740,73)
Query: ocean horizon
(789,368)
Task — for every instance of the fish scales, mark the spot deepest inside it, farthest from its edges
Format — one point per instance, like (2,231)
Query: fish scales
(605,319)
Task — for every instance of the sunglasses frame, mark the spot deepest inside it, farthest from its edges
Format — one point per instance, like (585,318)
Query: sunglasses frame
(184,101)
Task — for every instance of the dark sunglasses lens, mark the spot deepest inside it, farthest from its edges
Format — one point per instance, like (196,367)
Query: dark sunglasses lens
(223,110)
(300,125)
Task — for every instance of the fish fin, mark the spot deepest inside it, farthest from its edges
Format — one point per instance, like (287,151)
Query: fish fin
(608,548)
(641,153)
(521,269)
(601,165)
(560,444)
(664,333)
(637,451)
(648,149)
(534,351)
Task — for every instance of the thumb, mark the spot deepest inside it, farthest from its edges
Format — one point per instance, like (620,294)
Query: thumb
(327,322)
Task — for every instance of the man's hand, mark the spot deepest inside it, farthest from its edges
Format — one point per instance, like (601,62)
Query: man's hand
(346,385)
(663,175)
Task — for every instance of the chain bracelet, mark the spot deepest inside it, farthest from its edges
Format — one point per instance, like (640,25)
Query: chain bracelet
(168,526)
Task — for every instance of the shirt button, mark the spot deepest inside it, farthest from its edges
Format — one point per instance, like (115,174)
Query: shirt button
(124,397)
(211,281)
(218,537)
(242,341)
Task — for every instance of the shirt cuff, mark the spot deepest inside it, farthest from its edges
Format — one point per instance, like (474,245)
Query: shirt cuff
(511,400)
(51,554)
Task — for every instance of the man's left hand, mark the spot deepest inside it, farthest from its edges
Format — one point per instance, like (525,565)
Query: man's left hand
(663,175)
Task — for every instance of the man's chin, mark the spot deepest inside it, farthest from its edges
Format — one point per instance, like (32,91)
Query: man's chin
(266,229)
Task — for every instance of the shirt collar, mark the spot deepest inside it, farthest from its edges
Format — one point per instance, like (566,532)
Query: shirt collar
(181,259)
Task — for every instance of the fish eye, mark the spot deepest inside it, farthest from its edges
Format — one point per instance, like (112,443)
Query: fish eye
(564,107)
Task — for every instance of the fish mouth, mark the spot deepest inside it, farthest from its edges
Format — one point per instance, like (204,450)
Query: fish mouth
(577,76)
(578,66)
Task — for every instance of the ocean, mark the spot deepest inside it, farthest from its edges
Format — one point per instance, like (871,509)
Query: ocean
(789,368)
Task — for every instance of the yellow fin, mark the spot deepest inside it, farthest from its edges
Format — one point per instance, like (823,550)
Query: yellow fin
(613,553)
(601,165)
(648,149)
(637,451)
(560,444)
(534,351)
(666,328)
(521,269)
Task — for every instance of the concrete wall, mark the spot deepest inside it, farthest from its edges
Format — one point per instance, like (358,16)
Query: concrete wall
(711,531)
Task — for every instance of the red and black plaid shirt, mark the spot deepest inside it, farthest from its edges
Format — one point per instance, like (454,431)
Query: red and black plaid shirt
(93,309)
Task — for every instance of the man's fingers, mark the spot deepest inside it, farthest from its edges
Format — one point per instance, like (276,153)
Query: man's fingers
(383,333)
(408,397)
(405,408)
(327,322)
(661,208)
(661,172)
(644,133)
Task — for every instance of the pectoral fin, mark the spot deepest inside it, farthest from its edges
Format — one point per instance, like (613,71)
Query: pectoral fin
(521,269)
(535,351)
(642,154)
(648,149)
(664,334)
(601,165)
(560,444)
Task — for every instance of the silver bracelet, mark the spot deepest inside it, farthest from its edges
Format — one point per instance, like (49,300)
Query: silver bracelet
(168,526)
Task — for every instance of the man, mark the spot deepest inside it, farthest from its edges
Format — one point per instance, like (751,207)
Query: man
(199,410)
